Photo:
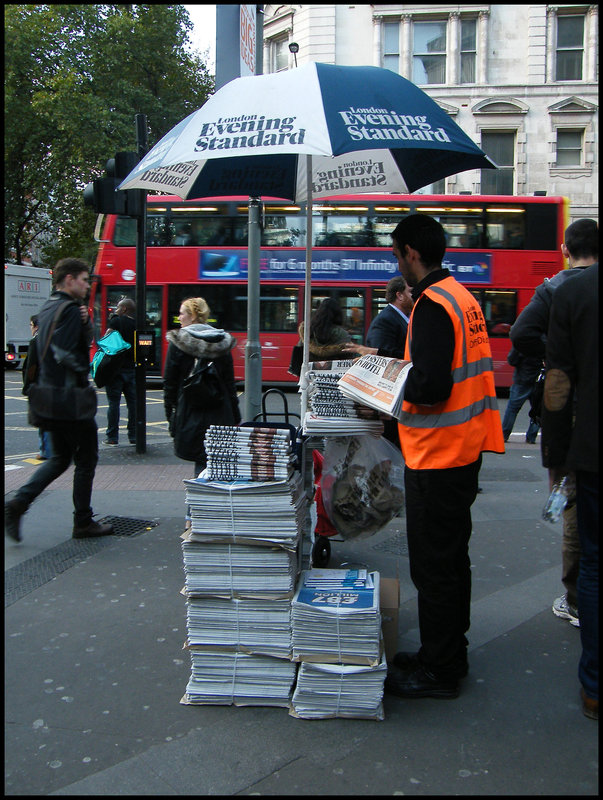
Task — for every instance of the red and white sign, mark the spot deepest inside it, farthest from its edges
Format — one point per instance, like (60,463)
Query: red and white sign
(247,40)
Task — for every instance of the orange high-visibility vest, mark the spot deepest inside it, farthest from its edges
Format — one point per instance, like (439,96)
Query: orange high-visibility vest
(454,432)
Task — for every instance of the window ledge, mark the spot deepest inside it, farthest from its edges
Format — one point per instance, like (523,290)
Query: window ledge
(570,172)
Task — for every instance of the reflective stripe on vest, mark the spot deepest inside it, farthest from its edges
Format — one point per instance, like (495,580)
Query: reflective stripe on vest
(455,431)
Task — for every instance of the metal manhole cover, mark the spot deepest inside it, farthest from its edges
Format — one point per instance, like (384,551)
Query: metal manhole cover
(128,526)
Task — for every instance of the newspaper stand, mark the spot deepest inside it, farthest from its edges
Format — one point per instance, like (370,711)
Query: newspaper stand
(320,545)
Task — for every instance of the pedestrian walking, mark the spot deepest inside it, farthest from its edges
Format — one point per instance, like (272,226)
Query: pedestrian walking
(30,368)
(449,418)
(65,363)
(528,335)
(570,442)
(123,321)
(526,371)
(194,342)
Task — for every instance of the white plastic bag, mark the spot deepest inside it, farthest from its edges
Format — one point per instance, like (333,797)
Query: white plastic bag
(362,484)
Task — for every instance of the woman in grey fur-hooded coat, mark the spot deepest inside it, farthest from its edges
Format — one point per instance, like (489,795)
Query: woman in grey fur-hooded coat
(188,425)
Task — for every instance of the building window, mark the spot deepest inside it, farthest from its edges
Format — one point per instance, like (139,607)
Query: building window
(468,50)
(279,54)
(429,53)
(391,46)
(569,148)
(500,146)
(570,48)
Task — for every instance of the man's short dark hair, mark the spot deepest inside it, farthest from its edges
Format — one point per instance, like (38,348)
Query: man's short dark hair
(582,239)
(394,285)
(425,235)
(68,266)
(128,304)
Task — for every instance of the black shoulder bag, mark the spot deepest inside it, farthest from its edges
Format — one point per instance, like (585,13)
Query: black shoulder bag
(49,404)
(203,387)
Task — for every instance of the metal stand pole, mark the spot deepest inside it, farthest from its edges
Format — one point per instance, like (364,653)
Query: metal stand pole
(253,350)
(141,281)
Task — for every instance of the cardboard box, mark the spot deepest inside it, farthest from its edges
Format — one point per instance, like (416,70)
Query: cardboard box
(389,599)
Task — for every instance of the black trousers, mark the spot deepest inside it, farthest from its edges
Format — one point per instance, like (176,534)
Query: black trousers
(438,521)
(77,442)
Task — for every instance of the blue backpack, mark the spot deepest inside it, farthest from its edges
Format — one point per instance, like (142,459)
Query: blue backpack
(108,359)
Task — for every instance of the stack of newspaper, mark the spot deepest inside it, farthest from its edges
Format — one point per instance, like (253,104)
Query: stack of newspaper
(335,617)
(377,382)
(336,634)
(227,570)
(227,678)
(235,511)
(339,690)
(245,453)
(330,413)
(249,626)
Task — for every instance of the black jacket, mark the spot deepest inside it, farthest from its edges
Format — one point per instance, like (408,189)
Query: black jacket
(188,425)
(67,360)
(528,332)
(127,327)
(570,435)
(387,332)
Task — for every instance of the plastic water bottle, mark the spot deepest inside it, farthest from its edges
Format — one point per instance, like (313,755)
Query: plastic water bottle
(556,503)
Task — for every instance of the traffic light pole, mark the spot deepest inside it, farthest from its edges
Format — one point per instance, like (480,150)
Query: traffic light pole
(141,284)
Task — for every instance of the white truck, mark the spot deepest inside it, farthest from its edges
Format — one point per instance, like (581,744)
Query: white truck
(26,289)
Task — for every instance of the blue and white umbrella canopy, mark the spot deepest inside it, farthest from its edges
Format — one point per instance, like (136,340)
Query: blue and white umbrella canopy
(367,129)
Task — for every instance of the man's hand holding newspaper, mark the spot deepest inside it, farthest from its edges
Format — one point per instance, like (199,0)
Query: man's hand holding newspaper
(377,382)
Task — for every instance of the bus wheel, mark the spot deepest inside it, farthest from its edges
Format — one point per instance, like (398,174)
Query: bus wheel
(321,552)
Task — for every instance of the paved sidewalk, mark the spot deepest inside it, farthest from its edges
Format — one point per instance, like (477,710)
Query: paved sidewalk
(95,667)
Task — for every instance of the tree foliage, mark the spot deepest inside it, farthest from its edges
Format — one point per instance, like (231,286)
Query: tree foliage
(75,77)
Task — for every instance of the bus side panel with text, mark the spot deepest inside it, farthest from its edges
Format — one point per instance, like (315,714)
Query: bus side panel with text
(500,247)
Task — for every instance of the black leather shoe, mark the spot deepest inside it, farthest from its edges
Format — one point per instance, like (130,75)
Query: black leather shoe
(409,661)
(93,529)
(12,520)
(418,682)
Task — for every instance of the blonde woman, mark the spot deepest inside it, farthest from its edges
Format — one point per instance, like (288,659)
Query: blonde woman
(196,339)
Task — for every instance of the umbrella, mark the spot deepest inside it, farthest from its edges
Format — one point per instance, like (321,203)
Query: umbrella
(318,130)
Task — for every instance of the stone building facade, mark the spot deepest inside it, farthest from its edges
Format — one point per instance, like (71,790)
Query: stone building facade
(520,80)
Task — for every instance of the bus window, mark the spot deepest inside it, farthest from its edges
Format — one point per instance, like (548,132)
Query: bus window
(125,232)
(341,226)
(284,231)
(352,302)
(506,228)
(378,302)
(499,307)
(228,306)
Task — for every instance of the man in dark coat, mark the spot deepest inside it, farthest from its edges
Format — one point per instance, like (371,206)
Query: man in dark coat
(66,363)
(570,442)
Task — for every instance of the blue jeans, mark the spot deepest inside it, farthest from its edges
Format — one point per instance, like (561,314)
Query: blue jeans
(45,445)
(125,382)
(587,504)
(518,394)
(77,442)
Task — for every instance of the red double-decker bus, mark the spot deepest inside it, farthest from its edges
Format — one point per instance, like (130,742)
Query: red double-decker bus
(500,247)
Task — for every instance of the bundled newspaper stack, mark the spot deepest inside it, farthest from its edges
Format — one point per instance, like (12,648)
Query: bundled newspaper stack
(233,678)
(330,413)
(336,634)
(246,453)
(235,511)
(376,382)
(241,566)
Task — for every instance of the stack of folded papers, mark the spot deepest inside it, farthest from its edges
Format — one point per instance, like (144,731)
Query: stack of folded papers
(245,453)
(339,690)
(335,622)
(226,678)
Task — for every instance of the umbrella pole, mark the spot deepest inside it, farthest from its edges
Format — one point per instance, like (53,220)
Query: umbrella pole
(303,383)
(253,349)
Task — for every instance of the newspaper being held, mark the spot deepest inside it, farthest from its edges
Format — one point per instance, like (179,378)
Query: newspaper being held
(377,382)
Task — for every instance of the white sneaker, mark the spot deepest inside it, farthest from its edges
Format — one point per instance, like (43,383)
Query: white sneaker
(562,609)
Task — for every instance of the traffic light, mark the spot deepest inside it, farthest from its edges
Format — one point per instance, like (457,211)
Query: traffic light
(101,194)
